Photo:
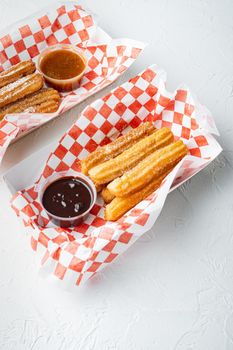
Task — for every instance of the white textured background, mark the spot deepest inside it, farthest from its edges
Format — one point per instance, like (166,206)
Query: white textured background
(173,289)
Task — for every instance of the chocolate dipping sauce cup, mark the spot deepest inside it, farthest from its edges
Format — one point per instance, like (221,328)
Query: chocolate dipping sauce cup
(68,221)
(62,84)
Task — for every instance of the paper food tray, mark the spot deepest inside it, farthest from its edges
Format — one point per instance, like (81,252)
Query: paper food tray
(64,22)
(74,255)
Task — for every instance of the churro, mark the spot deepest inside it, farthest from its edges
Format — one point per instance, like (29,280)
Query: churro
(20,88)
(107,195)
(119,206)
(98,187)
(152,167)
(113,149)
(16,72)
(45,100)
(45,107)
(115,167)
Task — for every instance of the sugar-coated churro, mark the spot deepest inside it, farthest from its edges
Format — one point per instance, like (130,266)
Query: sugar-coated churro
(148,169)
(45,107)
(111,150)
(16,72)
(45,100)
(115,167)
(20,88)
(119,206)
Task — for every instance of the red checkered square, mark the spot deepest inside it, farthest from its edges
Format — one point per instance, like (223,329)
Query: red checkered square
(201,140)
(57,26)
(60,271)
(20,46)
(91,130)
(181,95)
(83,35)
(25,31)
(69,29)
(120,93)
(6,41)
(39,37)
(120,108)
(74,15)
(105,111)
(135,106)
(75,149)
(44,22)
(88,21)
(33,51)
(14,60)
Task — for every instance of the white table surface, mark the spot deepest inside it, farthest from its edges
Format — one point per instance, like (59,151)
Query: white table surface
(173,289)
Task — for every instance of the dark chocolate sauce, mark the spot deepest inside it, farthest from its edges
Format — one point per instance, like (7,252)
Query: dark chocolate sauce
(67,197)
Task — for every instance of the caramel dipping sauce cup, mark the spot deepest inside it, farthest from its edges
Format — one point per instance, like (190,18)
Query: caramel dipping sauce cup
(62,84)
(69,221)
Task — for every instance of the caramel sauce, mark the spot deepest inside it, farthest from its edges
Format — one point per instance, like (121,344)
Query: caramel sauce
(62,64)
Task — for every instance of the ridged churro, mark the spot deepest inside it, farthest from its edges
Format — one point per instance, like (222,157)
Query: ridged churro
(107,195)
(148,169)
(119,206)
(16,72)
(115,167)
(111,150)
(45,100)
(20,88)
(98,187)
(45,107)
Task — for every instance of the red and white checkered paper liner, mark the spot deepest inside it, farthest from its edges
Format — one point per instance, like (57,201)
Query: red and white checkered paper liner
(70,24)
(76,254)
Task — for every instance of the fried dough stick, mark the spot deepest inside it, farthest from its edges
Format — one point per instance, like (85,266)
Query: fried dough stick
(111,150)
(119,206)
(16,72)
(20,88)
(107,195)
(148,169)
(115,167)
(45,100)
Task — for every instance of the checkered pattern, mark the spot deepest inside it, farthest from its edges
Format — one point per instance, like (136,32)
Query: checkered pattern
(76,254)
(68,24)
